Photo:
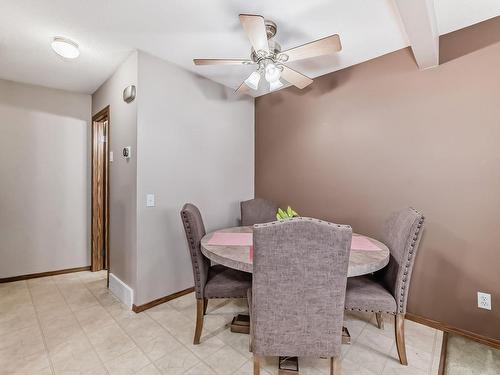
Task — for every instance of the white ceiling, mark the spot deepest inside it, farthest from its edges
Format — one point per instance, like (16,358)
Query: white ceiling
(178,31)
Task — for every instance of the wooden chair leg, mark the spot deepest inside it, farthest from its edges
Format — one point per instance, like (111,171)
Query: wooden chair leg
(380,320)
(334,366)
(256,365)
(200,307)
(400,338)
(205,305)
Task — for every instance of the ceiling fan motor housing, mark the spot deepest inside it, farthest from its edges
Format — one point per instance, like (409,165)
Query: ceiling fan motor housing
(274,47)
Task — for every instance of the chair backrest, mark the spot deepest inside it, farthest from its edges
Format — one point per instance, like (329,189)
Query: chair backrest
(258,211)
(299,284)
(195,230)
(402,234)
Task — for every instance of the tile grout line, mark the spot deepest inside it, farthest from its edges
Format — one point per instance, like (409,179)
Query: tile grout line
(203,361)
(40,328)
(176,339)
(429,370)
(83,331)
(250,360)
(196,355)
(80,282)
(386,361)
(137,346)
(434,345)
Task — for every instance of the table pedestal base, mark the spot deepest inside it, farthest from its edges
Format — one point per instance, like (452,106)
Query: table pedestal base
(288,366)
(346,337)
(241,324)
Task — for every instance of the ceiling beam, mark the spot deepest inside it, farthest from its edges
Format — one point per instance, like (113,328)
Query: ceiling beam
(419,19)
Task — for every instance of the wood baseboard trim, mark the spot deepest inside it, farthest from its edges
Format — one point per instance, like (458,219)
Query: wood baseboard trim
(451,329)
(159,301)
(42,274)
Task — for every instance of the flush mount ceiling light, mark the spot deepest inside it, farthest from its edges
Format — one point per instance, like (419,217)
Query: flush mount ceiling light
(65,48)
(266,53)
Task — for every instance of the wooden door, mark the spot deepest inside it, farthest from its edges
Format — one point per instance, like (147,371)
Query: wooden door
(99,258)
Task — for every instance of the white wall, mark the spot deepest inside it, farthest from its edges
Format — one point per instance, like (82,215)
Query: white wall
(122,172)
(195,144)
(44,179)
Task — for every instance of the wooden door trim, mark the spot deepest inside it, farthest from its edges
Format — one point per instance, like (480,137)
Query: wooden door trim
(102,115)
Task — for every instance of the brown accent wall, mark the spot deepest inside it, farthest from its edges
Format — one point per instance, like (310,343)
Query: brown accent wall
(368,140)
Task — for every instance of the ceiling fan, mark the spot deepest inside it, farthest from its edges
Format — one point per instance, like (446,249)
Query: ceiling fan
(266,53)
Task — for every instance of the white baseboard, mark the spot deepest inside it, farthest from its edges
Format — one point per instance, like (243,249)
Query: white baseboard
(121,290)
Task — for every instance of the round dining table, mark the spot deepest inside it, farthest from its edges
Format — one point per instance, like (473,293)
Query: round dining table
(367,254)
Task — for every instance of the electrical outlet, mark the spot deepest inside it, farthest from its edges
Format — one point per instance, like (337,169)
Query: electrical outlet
(484,300)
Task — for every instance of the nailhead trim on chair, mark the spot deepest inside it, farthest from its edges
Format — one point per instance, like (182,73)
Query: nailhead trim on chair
(405,273)
(300,219)
(408,263)
(372,311)
(196,264)
(192,248)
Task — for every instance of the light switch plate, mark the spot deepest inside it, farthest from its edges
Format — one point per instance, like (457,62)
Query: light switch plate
(111,156)
(150,200)
(484,300)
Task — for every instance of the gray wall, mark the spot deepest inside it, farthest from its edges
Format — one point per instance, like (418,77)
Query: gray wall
(44,179)
(122,172)
(383,135)
(195,144)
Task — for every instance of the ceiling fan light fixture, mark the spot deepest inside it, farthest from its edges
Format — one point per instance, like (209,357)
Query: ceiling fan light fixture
(275,85)
(272,72)
(65,48)
(267,54)
(253,80)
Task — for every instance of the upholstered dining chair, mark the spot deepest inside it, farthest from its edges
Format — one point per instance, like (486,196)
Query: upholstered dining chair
(387,290)
(258,211)
(210,281)
(298,289)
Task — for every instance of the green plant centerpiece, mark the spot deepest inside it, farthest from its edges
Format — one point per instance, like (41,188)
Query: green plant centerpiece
(288,214)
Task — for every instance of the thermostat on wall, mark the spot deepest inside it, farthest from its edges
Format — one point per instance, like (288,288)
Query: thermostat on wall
(127,153)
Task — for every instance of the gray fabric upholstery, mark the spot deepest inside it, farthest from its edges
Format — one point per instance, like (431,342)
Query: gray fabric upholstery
(210,281)
(258,211)
(364,293)
(249,298)
(195,230)
(402,234)
(225,282)
(298,292)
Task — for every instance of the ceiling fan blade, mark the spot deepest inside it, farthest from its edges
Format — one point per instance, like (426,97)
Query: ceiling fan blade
(295,78)
(222,62)
(255,28)
(320,47)
(243,89)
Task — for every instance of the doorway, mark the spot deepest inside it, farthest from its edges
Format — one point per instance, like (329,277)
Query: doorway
(100,192)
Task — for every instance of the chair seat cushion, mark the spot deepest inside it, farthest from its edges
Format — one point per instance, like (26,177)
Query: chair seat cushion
(365,293)
(224,282)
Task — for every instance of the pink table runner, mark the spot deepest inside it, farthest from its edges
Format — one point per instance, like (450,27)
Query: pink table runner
(363,243)
(246,239)
(231,239)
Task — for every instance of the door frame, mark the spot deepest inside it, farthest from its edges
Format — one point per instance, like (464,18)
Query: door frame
(102,115)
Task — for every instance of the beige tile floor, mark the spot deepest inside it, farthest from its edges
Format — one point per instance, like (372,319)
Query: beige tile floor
(71,324)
